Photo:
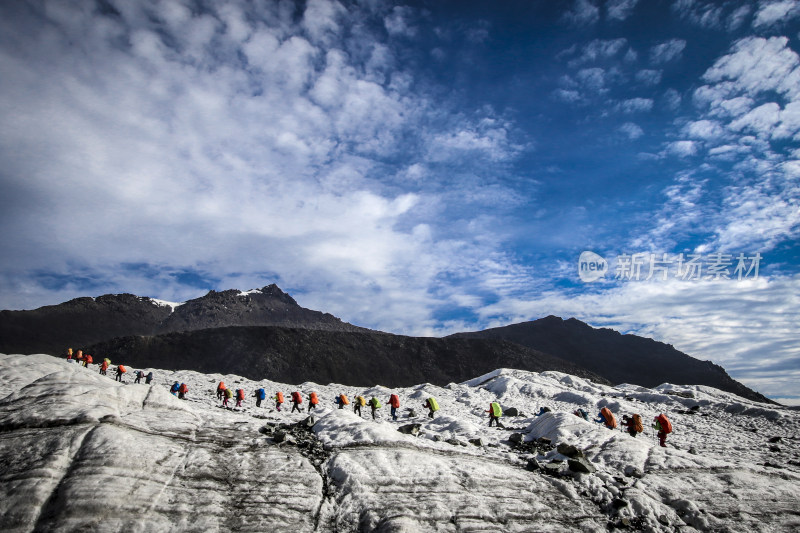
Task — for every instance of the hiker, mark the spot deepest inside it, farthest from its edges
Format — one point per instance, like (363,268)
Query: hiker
(120,370)
(607,417)
(221,390)
(358,403)
(227,394)
(374,404)
(313,400)
(182,390)
(104,367)
(394,403)
(139,375)
(432,405)
(495,412)
(87,360)
(542,410)
(341,401)
(581,413)
(69,355)
(278,400)
(239,397)
(633,423)
(79,357)
(174,388)
(664,427)
(297,399)
(148,378)
(260,395)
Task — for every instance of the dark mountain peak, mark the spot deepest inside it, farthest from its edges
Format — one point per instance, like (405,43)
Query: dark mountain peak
(619,358)
(275,292)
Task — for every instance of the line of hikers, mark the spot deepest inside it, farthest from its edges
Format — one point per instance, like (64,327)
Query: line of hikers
(85,360)
(225,394)
(633,424)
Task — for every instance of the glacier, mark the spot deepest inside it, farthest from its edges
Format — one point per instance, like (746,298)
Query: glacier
(82,452)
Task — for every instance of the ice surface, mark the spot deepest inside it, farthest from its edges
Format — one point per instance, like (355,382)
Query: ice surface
(82,452)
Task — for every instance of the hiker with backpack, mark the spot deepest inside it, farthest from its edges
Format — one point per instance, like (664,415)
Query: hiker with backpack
(394,403)
(227,394)
(278,400)
(359,401)
(297,399)
(87,360)
(664,427)
(495,412)
(221,390)
(120,370)
(341,401)
(432,405)
(313,400)
(239,397)
(542,410)
(633,424)
(104,367)
(174,389)
(69,355)
(148,378)
(139,375)
(260,395)
(607,417)
(182,390)
(581,413)
(374,404)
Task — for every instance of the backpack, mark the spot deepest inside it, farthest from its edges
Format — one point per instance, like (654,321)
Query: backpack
(150,375)
(183,388)
(121,369)
(313,398)
(261,394)
(174,387)
(376,403)
(221,386)
(296,398)
(361,401)
(343,399)
(666,425)
(434,406)
(279,397)
(609,417)
(496,410)
(240,394)
(394,401)
(228,394)
(637,423)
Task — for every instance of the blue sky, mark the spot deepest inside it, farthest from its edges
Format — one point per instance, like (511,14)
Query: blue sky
(416,167)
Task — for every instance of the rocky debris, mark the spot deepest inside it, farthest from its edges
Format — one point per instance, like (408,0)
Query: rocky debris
(411,413)
(456,442)
(773,440)
(516,439)
(581,464)
(544,441)
(511,411)
(532,465)
(410,429)
(552,468)
(619,503)
(693,450)
(480,442)
(569,450)
(774,449)
(632,471)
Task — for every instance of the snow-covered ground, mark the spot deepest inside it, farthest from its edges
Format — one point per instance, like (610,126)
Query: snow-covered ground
(80,451)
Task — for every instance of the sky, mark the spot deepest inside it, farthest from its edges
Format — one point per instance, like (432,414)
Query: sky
(421,168)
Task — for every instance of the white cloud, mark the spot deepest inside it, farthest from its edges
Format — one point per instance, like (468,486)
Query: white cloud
(631,130)
(682,148)
(635,105)
(667,51)
(397,22)
(649,77)
(583,13)
(706,130)
(599,50)
(772,11)
(701,13)
(620,9)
